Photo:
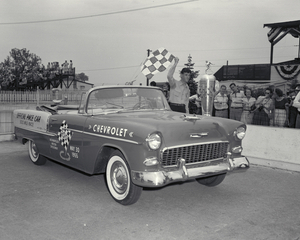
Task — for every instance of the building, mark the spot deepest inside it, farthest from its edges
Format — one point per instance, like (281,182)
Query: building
(281,75)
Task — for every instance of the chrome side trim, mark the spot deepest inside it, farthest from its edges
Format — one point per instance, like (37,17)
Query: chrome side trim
(40,132)
(113,138)
(78,131)
(74,130)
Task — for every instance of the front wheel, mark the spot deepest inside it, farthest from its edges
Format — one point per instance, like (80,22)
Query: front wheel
(211,181)
(34,155)
(119,181)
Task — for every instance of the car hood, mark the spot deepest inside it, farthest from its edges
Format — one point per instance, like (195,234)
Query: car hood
(175,127)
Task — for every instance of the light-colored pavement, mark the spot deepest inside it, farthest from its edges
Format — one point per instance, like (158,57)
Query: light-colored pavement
(56,202)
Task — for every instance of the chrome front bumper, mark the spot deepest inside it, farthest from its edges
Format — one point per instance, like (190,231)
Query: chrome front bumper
(183,172)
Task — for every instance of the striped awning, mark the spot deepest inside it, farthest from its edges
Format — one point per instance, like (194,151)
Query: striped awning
(279,30)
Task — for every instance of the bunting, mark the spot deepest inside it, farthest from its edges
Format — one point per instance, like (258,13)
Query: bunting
(288,72)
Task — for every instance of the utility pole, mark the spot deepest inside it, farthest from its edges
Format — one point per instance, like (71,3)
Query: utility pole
(299,49)
(148,54)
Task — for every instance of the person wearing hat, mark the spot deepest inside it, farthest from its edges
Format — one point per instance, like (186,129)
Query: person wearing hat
(179,90)
(296,104)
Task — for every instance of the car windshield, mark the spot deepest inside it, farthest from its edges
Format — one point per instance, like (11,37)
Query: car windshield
(106,100)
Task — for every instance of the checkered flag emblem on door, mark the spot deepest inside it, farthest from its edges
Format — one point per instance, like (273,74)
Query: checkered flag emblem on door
(64,135)
(158,61)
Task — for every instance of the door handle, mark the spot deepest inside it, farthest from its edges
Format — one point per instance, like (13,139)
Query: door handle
(53,119)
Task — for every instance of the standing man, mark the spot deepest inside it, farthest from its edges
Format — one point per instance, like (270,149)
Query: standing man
(221,103)
(236,103)
(179,90)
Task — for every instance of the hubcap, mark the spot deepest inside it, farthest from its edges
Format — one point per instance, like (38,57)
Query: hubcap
(34,150)
(119,178)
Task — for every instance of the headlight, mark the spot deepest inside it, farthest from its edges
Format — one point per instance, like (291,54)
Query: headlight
(154,141)
(240,133)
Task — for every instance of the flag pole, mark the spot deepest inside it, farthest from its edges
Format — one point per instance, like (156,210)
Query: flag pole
(148,54)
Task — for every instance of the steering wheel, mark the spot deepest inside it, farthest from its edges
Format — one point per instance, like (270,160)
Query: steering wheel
(143,104)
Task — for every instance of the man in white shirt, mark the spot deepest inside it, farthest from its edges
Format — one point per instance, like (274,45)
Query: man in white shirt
(236,104)
(179,90)
(296,104)
(221,103)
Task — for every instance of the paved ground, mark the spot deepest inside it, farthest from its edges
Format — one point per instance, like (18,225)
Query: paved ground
(55,202)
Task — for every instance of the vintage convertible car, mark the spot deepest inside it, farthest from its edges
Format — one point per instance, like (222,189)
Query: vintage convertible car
(130,134)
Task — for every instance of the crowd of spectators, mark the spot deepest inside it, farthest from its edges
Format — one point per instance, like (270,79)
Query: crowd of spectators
(260,106)
(28,77)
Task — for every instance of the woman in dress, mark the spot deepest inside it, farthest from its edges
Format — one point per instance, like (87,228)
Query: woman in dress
(264,109)
(248,102)
(281,112)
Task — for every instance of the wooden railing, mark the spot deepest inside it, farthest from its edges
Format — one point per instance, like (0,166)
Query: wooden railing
(39,96)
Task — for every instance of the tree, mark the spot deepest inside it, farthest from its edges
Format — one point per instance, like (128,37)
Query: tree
(23,70)
(194,74)
(19,68)
(192,83)
(81,77)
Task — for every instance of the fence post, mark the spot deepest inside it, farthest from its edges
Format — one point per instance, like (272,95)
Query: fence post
(37,96)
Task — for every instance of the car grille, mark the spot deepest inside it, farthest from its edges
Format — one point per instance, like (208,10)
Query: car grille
(194,153)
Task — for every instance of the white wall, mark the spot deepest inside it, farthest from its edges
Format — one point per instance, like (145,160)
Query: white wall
(270,143)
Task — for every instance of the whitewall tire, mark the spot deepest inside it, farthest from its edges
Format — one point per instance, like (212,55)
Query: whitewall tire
(34,155)
(119,182)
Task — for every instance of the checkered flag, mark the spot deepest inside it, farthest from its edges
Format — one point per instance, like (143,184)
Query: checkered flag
(158,61)
(64,135)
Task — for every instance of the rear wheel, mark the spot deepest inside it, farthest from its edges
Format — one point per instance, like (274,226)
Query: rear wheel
(119,181)
(34,155)
(212,181)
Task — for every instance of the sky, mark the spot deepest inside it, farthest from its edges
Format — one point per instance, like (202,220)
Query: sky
(108,40)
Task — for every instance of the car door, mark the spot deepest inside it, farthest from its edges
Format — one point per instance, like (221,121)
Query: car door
(66,146)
